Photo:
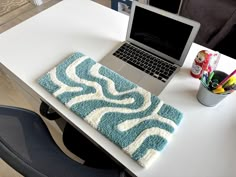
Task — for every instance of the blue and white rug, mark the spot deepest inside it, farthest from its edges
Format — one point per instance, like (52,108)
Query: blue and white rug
(131,117)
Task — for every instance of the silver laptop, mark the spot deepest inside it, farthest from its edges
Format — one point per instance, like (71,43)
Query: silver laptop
(156,46)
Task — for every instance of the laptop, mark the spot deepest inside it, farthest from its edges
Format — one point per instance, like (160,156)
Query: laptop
(157,43)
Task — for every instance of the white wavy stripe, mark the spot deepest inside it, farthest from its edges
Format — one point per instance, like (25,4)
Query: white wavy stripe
(111,85)
(95,116)
(149,157)
(63,87)
(131,148)
(98,95)
(128,124)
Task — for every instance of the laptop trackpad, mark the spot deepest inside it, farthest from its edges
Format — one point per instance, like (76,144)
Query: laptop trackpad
(113,63)
(131,73)
(152,84)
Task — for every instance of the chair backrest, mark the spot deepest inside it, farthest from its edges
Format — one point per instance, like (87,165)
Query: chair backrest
(217,18)
(27,146)
(173,6)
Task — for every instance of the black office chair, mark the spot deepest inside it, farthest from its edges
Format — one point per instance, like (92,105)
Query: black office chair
(86,150)
(27,146)
(78,144)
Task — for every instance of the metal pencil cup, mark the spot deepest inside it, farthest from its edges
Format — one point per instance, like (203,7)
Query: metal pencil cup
(207,97)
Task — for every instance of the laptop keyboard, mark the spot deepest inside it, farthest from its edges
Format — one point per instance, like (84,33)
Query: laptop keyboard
(146,62)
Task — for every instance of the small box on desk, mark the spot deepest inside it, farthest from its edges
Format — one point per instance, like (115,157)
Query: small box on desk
(124,6)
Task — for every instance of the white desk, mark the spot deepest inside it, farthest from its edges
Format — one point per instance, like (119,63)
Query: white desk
(205,143)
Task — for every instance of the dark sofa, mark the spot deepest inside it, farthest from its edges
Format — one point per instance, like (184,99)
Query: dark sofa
(218,23)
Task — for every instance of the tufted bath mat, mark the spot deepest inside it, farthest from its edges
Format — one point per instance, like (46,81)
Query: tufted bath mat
(131,117)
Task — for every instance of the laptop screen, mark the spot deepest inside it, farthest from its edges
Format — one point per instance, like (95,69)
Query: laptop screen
(160,33)
(165,34)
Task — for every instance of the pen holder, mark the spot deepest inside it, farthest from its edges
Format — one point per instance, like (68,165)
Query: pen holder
(206,96)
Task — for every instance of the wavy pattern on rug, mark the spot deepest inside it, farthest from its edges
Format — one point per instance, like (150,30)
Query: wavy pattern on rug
(131,117)
(10,5)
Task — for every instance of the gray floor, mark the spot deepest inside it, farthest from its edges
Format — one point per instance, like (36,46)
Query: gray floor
(13,94)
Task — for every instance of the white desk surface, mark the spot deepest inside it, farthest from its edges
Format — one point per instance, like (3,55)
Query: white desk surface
(204,145)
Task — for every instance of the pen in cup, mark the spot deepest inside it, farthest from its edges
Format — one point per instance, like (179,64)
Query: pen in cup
(219,83)
(218,90)
(230,87)
(230,90)
(231,81)
(226,79)
(210,76)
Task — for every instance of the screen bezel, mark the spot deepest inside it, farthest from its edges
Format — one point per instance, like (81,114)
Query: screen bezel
(195,27)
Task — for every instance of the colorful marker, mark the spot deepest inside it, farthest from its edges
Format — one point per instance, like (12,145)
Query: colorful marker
(226,79)
(210,77)
(219,90)
(231,81)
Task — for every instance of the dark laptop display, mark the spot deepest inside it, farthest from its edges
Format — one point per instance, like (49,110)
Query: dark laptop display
(156,31)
